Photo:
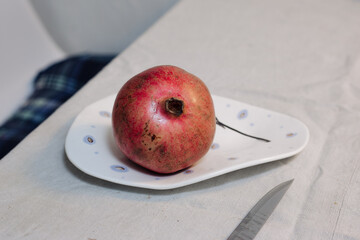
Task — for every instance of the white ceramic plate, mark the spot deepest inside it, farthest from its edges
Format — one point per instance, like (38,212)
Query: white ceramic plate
(91,148)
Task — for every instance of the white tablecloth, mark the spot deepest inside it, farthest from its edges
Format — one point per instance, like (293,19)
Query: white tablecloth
(301,58)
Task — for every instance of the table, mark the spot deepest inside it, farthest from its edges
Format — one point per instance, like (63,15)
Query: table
(301,58)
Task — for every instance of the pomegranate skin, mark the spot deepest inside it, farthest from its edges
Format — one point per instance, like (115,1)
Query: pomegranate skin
(164,119)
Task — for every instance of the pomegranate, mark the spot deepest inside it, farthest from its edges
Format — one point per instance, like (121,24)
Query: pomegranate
(164,119)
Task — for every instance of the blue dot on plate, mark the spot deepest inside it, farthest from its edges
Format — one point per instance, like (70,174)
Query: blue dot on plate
(215,146)
(188,171)
(119,168)
(242,114)
(105,114)
(291,134)
(89,140)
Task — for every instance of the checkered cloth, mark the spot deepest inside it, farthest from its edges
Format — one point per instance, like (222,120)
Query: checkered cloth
(52,87)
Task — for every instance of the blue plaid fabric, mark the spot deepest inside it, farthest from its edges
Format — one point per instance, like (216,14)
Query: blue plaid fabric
(52,87)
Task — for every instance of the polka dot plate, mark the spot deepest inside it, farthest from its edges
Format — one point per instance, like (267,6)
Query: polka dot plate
(90,145)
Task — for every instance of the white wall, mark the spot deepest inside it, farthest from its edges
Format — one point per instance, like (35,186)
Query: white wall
(35,33)
(25,48)
(98,26)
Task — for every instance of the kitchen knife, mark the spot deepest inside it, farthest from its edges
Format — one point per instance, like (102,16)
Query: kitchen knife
(255,219)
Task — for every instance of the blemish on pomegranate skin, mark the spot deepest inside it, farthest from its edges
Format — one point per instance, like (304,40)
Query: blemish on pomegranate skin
(162,150)
(146,128)
(153,137)
(139,84)
(138,152)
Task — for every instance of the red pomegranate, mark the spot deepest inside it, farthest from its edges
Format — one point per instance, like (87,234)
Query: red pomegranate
(164,119)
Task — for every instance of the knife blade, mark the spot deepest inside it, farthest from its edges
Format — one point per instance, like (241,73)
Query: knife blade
(257,216)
